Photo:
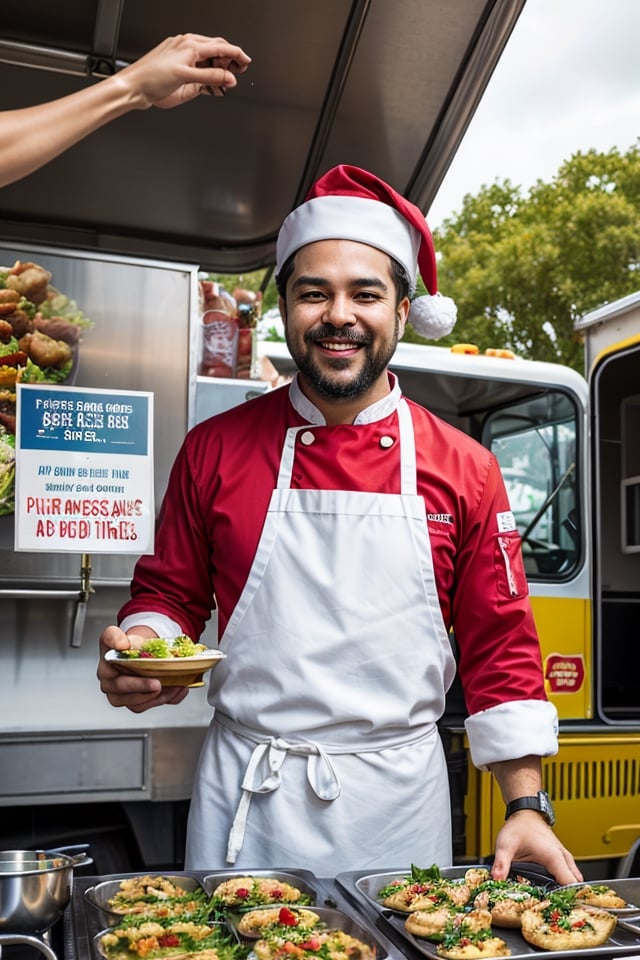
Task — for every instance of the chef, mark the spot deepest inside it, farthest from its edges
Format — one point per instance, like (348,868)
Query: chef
(343,531)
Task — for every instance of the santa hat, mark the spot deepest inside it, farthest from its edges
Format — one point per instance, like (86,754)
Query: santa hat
(348,203)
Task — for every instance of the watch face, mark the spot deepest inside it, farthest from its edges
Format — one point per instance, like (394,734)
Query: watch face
(546,807)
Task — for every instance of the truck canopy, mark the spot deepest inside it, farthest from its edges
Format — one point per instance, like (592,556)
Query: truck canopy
(390,86)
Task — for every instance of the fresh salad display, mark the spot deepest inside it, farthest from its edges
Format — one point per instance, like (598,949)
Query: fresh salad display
(158,648)
(40,329)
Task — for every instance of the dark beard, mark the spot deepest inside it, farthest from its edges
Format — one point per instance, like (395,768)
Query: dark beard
(375,364)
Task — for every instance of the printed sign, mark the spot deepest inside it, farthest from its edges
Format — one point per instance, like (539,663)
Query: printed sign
(84,470)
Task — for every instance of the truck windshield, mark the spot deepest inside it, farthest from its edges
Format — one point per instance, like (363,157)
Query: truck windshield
(535,443)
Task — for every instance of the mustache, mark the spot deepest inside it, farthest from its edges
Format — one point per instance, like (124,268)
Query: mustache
(327,330)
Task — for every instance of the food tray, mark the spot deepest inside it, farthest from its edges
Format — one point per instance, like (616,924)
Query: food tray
(83,920)
(222,927)
(364,887)
(628,889)
(622,942)
(331,918)
(304,880)
(368,885)
(99,894)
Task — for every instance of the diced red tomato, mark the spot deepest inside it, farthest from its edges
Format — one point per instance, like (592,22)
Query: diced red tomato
(242,893)
(287,918)
(311,944)
(169,940)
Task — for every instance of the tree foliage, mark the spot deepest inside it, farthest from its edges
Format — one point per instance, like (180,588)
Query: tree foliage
(523,268)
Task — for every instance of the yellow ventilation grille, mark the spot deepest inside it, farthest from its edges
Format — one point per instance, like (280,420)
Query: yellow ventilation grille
(594,783)
(592,779)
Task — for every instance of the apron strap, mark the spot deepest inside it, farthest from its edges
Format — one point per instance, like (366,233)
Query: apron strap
(408,468)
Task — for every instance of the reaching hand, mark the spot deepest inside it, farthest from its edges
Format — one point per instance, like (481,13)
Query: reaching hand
(182,67)
(525,836)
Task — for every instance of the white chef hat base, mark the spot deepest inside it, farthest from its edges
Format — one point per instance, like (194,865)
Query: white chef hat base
(350,218)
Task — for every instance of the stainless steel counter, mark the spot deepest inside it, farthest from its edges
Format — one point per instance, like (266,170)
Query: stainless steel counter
(73,938)
(81,923)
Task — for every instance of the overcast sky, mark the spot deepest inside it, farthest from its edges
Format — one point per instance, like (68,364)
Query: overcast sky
(568,81)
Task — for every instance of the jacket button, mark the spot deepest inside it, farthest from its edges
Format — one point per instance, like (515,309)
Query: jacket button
(307,438)
(386,442)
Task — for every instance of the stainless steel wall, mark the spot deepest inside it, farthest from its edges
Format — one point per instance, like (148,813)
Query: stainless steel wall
(60,740)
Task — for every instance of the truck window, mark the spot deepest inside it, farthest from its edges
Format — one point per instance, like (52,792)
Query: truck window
(535,442)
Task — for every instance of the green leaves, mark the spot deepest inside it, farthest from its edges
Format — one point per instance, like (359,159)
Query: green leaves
(523,268)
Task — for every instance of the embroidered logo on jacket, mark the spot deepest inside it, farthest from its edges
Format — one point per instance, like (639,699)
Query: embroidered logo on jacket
(440,517)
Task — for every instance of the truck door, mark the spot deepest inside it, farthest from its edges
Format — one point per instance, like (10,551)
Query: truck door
(540,443)
(615,398)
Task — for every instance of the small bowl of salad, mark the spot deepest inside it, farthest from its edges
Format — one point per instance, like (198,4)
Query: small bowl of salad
(175,662)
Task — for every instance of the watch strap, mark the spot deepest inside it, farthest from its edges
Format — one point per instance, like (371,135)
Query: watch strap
(531,803)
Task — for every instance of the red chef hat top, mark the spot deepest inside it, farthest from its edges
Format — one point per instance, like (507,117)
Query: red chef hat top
(348,203)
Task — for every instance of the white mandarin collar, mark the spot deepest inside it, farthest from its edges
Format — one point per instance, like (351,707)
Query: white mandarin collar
(377,411)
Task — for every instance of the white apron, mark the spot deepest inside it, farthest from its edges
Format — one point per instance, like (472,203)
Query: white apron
(323,751)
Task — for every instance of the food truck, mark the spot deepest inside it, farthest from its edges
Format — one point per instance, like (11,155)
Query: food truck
(127,222)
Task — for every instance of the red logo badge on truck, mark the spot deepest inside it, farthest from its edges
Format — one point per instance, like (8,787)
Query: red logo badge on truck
(564,673)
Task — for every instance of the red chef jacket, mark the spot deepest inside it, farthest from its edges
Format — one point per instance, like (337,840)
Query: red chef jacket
(219,489)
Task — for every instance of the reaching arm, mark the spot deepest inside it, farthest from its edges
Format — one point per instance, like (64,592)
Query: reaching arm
(525,835)
(174,72)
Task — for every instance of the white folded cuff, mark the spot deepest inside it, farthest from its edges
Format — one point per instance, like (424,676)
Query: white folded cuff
(164,627)
(519,728)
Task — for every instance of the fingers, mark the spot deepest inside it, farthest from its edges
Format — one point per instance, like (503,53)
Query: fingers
(137,700)
(526,837)
(572,869)
(500,867)
(223,54)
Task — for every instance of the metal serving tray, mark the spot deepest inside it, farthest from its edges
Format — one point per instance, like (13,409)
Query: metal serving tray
(223,928)
(329,918)
(369,885)
(304,880)
(625,939)
(621,942)
(628,889)
(99,894)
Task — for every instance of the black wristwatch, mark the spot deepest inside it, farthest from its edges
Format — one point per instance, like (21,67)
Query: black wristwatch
(541,802)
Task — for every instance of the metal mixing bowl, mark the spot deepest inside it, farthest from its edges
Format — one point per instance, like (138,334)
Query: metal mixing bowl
(35,888)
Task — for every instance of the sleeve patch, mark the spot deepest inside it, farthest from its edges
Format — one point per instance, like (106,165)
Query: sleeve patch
(506,521)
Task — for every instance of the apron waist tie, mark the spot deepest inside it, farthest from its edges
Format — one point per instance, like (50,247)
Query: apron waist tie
(272,752)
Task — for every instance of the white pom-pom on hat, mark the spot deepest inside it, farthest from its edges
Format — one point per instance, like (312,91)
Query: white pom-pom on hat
(348,203)
(433,316)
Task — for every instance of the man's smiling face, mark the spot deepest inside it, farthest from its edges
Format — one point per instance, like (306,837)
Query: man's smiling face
(342,322)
